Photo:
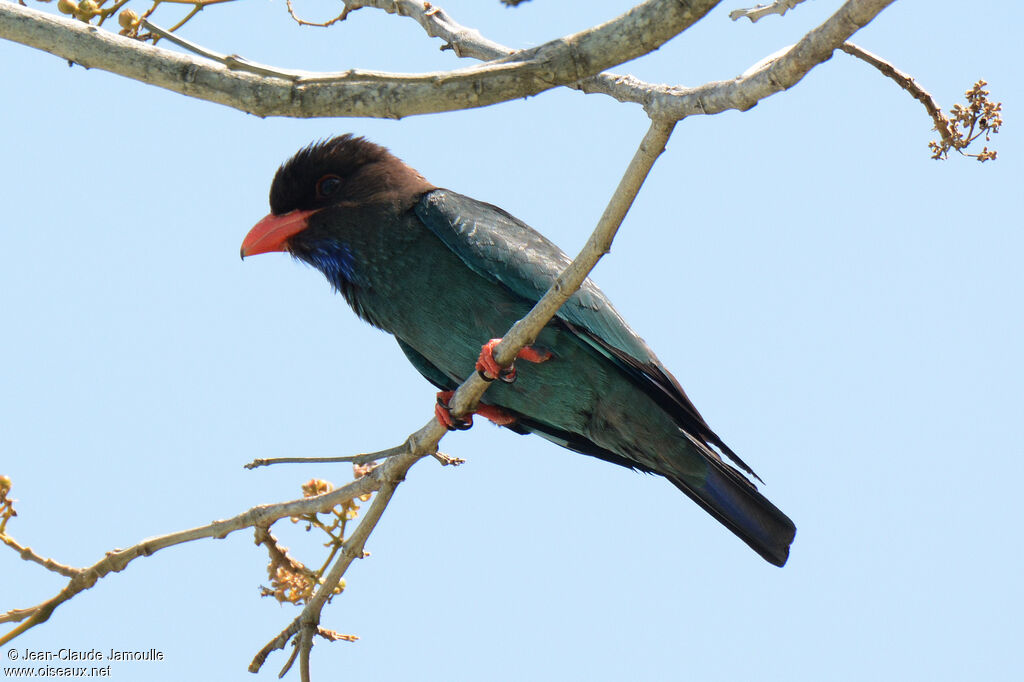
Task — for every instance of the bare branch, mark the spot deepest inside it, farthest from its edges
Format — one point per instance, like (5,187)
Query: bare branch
(318,24)
(28,554)
(82,579)
(465,42)
(771,75)
(444,459)
(373,94)
(361,93)
(907,83)
(779,7)
(355,459)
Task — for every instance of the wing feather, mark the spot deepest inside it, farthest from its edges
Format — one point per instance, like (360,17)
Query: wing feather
(506,250)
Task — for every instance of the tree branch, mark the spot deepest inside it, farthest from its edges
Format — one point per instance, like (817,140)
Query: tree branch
(360,93)
(465,42)
(115,561)
(28,554)
(980,118)
(775,74)
(771,75)
(779,7)
(445,460)
(267,91)
(907,83)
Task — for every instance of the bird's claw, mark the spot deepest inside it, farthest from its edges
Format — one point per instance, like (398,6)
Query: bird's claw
(505,374)
(444,415)
(489,370)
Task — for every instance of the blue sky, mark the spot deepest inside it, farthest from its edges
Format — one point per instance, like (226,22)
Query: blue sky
(844,311)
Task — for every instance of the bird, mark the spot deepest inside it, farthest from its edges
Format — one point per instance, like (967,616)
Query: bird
(446,275)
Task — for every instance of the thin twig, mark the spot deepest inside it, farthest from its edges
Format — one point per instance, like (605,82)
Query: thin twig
(355,459)
(906,82)
(195,10)
(437,23)
(28,554)
(318,24)
(180,42)
(444,459)
(111,11)
(231,61)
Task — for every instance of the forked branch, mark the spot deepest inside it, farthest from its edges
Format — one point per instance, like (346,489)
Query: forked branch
(574,60)
(278,92)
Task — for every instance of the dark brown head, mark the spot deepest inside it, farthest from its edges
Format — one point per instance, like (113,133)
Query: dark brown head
(343,171)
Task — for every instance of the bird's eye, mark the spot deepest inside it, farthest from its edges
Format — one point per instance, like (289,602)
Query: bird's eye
(327,185)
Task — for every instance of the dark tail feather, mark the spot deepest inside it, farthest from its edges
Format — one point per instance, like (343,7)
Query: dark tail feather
(739,507)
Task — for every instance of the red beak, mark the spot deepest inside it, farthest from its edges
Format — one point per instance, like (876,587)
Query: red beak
(272,233)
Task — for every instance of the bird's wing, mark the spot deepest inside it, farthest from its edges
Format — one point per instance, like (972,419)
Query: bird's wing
(504,249)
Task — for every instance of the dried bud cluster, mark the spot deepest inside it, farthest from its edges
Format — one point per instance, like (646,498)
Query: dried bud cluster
(293,583)
(316,486)
(290,580)
(966,124)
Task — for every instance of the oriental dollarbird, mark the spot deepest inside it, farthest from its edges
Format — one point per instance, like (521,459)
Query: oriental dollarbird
(445,274)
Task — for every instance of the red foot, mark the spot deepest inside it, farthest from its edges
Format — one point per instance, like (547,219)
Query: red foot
(444,415)
(493,413)
(489,370)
